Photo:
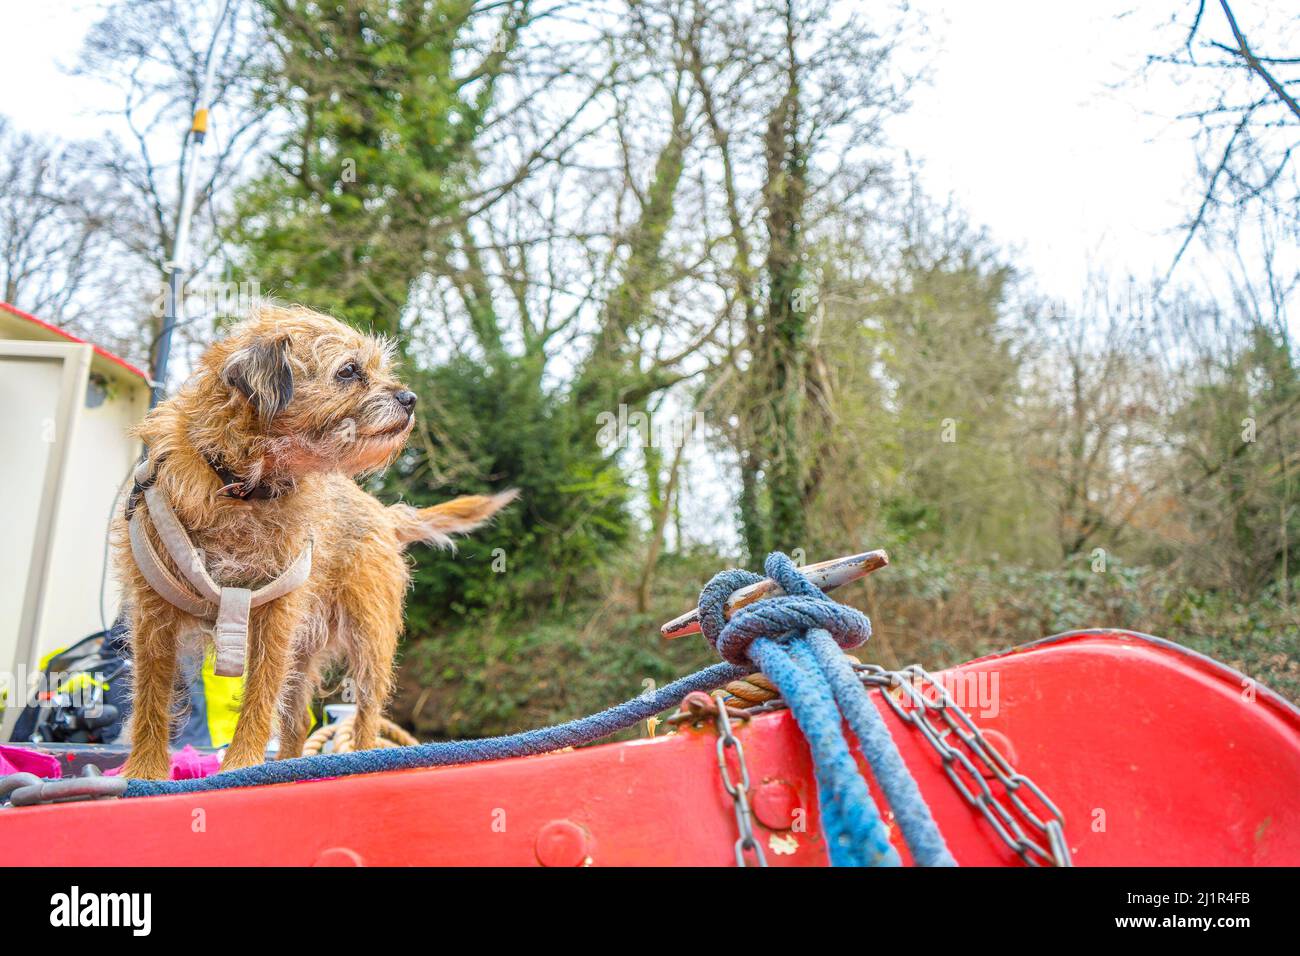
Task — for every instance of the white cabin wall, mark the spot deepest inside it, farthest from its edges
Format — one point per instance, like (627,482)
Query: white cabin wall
(99,460)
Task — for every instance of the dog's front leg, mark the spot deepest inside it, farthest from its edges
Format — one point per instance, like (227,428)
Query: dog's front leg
(155,634)
(295,705)
(270,639)
(376,621)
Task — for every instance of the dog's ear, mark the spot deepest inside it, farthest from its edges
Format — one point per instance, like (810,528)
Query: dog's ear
(262,372)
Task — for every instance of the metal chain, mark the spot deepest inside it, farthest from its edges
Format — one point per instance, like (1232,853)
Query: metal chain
(1047,823)
(739,793)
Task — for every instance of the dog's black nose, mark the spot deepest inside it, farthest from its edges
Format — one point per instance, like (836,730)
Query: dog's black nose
(406,400)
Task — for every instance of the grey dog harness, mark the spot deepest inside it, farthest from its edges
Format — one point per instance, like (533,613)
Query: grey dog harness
(228,608)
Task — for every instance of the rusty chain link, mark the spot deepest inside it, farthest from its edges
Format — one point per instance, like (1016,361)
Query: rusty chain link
(696,708)
(739,793)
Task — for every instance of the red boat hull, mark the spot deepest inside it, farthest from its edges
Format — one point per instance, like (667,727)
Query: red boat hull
(1154,754)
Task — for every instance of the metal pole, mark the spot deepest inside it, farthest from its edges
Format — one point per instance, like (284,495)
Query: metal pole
(174,306)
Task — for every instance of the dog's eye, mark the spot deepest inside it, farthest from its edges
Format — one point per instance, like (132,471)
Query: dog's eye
(349,372)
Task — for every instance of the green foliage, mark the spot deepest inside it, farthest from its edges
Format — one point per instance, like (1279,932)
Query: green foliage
(495,429)
(1237,433)
(942,613)
(504,672)
(381,146)
(955,385)
(917,428)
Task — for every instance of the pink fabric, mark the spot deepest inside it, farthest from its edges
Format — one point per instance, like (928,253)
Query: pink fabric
(18,760)
(187,764)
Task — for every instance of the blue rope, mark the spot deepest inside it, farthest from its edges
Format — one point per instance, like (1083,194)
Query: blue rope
(581,731)
(819,652)
(877,745)
(855,834)
(794,639)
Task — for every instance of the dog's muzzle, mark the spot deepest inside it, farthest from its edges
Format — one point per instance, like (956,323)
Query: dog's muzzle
(227,607)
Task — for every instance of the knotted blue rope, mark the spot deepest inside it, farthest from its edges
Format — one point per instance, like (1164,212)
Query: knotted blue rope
(795,640)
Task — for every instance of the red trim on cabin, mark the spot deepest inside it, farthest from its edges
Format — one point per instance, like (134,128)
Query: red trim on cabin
(105,353)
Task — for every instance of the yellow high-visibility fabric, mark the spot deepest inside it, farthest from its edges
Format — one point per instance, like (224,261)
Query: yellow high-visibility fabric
(222,697)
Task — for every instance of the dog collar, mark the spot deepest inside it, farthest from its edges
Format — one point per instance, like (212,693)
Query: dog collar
(232,486)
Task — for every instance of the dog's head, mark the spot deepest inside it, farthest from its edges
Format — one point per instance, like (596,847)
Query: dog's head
(310,392)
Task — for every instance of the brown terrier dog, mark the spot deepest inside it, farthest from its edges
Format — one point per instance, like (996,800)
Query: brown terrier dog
(256,456)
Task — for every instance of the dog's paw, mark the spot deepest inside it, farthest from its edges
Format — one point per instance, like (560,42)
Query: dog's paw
(139,767)
(237,759)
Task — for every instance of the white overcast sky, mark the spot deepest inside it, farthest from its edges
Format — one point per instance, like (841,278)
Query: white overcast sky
(1022,124)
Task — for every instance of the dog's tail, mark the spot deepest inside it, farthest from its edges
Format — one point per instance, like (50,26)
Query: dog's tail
(436,525)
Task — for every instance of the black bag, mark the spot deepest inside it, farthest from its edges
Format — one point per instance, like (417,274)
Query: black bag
(82,697)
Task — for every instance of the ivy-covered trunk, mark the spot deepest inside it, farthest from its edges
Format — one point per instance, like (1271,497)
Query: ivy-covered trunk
(787,314)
